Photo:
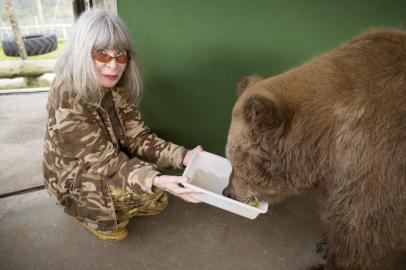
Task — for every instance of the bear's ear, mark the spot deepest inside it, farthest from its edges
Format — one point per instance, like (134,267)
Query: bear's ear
(247,81)
(262,113)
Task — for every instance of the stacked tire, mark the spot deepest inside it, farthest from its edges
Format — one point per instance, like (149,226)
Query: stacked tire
(34,45)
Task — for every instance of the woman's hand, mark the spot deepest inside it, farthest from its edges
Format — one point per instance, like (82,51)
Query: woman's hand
(170,184)
(190,153)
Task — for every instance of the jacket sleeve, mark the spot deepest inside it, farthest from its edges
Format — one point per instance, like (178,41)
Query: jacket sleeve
(80,138)
(147,145)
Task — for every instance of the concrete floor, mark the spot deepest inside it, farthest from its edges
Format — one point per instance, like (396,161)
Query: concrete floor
(35,233)
(22,122)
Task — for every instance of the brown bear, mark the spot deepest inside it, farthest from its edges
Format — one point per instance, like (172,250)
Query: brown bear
(337,122)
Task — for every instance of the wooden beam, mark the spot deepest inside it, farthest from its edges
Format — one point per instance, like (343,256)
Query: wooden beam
(26,68)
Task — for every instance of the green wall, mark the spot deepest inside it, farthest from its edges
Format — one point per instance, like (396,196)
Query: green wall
(193,53)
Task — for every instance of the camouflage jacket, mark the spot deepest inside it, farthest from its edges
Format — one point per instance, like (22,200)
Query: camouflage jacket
(82,156)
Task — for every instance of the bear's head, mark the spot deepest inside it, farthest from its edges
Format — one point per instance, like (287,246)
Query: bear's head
(260,118)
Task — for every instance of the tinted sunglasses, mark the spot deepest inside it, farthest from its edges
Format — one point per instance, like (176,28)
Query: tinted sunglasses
(101,56)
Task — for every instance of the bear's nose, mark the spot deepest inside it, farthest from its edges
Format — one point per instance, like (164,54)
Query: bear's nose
(226,193)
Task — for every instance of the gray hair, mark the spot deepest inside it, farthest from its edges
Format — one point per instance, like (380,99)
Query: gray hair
(97,29)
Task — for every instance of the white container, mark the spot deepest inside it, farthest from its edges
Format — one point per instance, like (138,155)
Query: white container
(209,174)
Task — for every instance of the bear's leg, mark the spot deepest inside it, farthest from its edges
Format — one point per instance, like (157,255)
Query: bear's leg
(354,245)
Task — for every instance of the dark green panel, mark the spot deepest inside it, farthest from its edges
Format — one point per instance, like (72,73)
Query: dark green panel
(193,53)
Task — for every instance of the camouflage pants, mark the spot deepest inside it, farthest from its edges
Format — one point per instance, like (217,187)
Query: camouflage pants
(128,205)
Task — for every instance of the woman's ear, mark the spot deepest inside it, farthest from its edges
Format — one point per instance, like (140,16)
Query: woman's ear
(246,82)
(262,114)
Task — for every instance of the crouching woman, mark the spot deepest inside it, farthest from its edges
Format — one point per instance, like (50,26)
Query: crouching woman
(101,162)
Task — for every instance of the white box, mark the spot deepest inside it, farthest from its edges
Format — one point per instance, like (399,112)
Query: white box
(209,174)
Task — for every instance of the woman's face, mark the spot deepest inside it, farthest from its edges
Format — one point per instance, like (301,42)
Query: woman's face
(110,65)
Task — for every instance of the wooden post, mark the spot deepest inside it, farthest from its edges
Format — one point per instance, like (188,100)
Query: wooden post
(40,15)
(16,30)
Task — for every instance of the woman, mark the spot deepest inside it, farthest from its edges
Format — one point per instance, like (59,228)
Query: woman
(100,161)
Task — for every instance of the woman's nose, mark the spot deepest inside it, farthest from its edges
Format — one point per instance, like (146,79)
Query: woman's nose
(112,64)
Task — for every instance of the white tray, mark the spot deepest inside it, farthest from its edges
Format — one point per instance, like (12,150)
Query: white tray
(209,174)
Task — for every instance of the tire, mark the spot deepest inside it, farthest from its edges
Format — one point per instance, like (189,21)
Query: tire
(34,45)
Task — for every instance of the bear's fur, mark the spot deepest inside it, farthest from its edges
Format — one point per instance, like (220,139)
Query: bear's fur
(337,122)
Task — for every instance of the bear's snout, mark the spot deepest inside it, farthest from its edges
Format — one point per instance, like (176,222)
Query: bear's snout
(227,190)
(227,193)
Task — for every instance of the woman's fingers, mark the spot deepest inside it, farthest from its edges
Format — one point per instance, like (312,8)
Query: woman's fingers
(180,190)
(189,198)
(190,153)
(174,185)
(180,182)
(181,179)
(185,192)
